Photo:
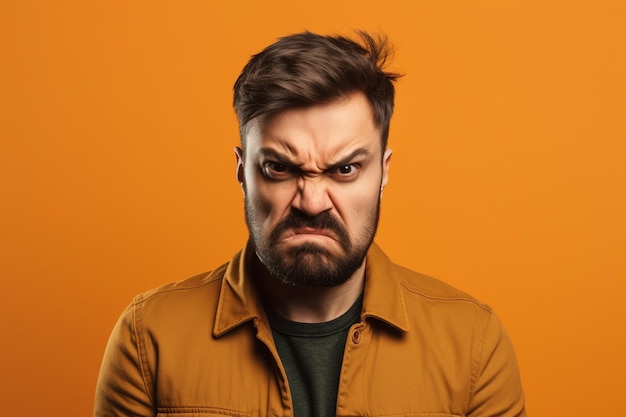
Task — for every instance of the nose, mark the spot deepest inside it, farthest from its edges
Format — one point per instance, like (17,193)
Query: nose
(312,197)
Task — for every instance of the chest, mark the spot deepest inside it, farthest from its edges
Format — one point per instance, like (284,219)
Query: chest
(242,374)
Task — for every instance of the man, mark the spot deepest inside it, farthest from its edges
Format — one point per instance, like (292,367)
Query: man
(311,318)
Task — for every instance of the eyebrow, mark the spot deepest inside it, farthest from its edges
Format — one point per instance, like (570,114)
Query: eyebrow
(284,159)
(348,159)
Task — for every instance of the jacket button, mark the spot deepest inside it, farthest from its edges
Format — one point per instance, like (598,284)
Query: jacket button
(356,336)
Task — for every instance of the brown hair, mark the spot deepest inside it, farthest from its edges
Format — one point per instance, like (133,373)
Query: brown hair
(306,69)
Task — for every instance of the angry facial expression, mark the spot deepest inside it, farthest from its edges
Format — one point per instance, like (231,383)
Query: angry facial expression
(312,180)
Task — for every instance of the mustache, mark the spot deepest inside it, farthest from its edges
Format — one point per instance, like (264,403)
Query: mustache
(324,220)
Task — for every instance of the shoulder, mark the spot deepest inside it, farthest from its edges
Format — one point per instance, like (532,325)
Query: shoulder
(193,284)
(446,314)
(431,289)
(197,294)
(399,293)
(434,304)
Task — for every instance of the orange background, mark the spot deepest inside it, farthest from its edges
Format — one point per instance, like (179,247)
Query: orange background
(508,178)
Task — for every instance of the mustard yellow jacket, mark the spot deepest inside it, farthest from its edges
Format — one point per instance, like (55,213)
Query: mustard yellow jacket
(203,347)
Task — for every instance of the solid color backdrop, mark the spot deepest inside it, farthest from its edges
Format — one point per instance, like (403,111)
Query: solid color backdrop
(508,176)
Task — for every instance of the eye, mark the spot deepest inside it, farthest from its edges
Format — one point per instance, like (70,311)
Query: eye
(346,172)
(345,169)
(276,166)
(276,170)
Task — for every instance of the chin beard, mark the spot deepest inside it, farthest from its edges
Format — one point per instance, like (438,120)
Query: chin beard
(312,265)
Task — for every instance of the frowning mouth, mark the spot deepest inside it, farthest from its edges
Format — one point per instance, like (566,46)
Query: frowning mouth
(297,229)
(308,232)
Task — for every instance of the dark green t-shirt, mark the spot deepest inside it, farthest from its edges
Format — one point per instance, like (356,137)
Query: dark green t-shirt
(312,354)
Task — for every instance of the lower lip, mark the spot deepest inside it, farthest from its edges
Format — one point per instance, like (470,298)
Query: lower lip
(307,236)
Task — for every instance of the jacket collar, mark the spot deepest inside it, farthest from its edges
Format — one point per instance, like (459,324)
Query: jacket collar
(240,302)
(383,298)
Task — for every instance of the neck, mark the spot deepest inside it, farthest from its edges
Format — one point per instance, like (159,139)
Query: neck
(308,304)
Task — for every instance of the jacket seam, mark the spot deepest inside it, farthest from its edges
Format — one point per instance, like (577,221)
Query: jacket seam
(141,347)
(448,298)
(213,410)
(207,278)
(480,360)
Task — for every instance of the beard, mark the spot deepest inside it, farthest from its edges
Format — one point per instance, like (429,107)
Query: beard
(311,264)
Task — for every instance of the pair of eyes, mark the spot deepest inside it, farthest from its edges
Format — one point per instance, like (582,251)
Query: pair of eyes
(280,171)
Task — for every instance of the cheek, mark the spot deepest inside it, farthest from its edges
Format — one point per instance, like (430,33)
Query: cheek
(355,207)
(270,201)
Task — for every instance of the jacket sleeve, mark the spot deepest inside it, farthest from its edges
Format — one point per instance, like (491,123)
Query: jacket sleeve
(497,388)
(124,386)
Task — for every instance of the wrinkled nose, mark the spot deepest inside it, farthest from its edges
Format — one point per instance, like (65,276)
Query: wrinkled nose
(312,197)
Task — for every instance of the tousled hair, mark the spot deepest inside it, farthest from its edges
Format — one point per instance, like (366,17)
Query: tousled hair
(307,69)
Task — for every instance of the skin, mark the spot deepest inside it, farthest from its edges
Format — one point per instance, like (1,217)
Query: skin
(324,158)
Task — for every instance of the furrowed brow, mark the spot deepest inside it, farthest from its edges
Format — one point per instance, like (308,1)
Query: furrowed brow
(271,153)
(348,159)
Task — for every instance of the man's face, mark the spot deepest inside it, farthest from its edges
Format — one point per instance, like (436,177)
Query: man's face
(312,181)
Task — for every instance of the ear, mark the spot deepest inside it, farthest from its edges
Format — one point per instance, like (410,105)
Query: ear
(239,159)
(386,163)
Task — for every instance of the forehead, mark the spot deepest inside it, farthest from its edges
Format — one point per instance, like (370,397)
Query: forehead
(327,129)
